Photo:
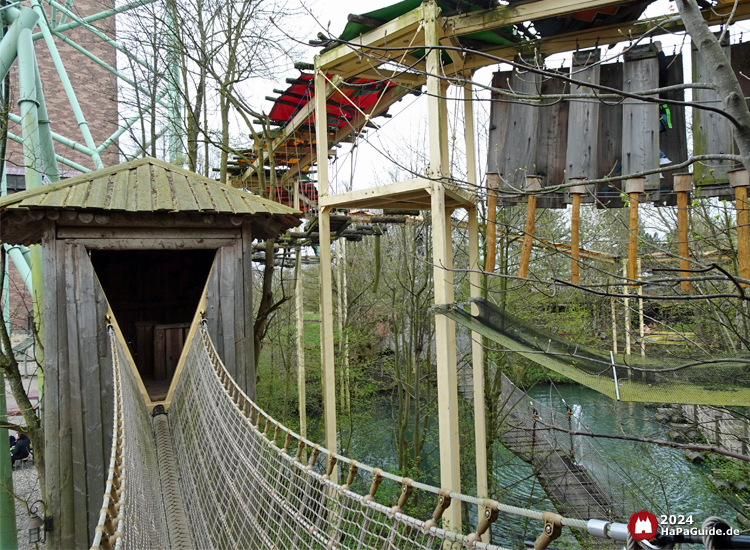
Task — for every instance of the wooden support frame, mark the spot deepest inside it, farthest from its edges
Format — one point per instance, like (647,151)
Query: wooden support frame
(740,181)
(475,283)
(575,230)
(634,187)
(533,183)
(326,285)
(683,185)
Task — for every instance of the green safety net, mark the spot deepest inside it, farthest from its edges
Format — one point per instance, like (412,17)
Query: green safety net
(720,380)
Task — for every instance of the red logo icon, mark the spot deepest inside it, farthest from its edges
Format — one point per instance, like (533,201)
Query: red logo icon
(642,525)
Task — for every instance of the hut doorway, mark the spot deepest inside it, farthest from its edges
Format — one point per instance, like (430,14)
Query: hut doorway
(154,294)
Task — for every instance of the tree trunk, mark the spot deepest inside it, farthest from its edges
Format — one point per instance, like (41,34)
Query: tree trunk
(720,69)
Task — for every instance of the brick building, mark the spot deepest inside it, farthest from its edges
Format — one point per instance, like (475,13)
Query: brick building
(96,91)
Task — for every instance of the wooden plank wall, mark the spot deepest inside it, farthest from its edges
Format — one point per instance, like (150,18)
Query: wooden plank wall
(523,126)
(583,123)
(609,151)
(77,389)
(229,310)
(553,130)
(712,133)
(77,408)
(673,142)
(640,121)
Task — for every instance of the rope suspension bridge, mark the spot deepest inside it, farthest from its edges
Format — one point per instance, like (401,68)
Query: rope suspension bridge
(169,488)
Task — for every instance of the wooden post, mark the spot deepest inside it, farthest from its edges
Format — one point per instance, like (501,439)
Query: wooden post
(683,185)
(450,472)
(625,290)
(614,320)
(475,285)
(575,228)
(300,313)
(493,182)
(634,187)
(740,180)
(641,328)
(533,183)
(326,284)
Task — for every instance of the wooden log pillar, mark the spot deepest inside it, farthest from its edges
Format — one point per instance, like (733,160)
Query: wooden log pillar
(634,187)
(493,183)
(533,183)
(626,301)
(447,379)
(641,326)
(575,230)
(326,283)
(613,310)
(683,185)
(740,180)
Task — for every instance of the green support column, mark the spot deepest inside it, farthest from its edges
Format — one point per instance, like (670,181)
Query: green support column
(32,153)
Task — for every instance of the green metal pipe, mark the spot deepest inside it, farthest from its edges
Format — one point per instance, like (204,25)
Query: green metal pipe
(111,69)
(28,104)
(27,18)
(68,4)
(22,265)
(76,146)
(96,32)
(60,159)
(62,73)
(77,21)
(45,135)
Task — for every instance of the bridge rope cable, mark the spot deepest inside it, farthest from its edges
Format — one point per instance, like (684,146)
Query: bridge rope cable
(243,488)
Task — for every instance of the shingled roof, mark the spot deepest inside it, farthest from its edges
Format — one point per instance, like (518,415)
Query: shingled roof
(144,186)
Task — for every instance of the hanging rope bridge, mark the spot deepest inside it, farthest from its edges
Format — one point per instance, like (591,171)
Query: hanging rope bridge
(171,486)
(712,380)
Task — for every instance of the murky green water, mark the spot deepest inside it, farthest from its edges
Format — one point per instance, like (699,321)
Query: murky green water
(668,482)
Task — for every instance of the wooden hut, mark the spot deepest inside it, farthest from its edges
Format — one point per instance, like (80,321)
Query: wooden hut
(140,238)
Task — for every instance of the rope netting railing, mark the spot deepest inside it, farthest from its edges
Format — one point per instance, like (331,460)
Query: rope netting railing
(569,463)
(245,483)
(132,514)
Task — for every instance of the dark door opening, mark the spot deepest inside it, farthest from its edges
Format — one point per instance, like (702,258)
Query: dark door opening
(154,295)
